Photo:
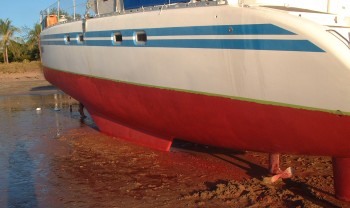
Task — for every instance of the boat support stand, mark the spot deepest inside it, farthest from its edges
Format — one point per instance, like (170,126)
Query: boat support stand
(341,173)
(275,170)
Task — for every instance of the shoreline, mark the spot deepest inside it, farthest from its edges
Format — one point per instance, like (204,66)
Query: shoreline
(20,71)
(22,78)
(31,75)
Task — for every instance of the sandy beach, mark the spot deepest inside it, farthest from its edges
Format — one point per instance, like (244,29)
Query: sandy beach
(74,165)
(20,78)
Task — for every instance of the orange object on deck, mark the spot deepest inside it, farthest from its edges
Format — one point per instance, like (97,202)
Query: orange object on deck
(51,20)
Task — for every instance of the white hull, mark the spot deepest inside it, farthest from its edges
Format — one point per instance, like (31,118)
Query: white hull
(311,79)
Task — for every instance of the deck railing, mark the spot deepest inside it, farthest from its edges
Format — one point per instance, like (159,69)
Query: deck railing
(65,10)
(70,10)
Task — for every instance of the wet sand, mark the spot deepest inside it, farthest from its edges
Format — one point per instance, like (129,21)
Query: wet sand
(23,83)
(51,158)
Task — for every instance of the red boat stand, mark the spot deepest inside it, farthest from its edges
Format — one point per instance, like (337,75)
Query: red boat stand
(341,172)
(274,163)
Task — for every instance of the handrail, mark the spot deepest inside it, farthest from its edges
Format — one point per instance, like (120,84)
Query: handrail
(340,37)
(85,9)
(64,6)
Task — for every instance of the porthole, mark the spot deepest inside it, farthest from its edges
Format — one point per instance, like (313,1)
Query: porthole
(140,37)
(80,38)
(117,38)
(67,39)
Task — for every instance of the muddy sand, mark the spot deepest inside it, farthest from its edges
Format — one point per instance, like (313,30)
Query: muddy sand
(85,168)
(22,83)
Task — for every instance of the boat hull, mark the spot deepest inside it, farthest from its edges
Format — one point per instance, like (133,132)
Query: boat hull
(207,119)
(245,78)
(234,77)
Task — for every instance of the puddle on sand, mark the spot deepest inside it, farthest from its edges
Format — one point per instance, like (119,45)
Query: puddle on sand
(29,128)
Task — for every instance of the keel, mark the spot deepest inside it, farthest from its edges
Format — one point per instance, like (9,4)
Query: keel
(132,135)
(341,172)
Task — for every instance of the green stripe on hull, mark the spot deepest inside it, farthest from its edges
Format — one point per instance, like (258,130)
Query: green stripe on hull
(264,102)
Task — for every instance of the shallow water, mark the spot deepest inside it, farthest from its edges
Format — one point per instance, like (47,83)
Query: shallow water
(29,128)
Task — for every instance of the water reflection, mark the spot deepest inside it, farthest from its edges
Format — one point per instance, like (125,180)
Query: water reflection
(21,190)
(28,145)
(58,106)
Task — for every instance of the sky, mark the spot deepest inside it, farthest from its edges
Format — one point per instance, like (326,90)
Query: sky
(23,12)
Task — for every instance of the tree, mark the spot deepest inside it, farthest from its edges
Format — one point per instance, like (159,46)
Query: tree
(17,49)
(7,31)
(33,38)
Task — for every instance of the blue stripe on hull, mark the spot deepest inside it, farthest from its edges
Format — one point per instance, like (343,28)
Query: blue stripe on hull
(254,29)
(250,29)
(246,44)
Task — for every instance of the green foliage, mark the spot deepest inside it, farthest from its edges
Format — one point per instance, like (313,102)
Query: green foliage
(18,49)
(7,31)
(33,43)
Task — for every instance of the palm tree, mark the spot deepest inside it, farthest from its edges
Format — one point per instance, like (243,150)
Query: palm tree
(6,34)
(34,38)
